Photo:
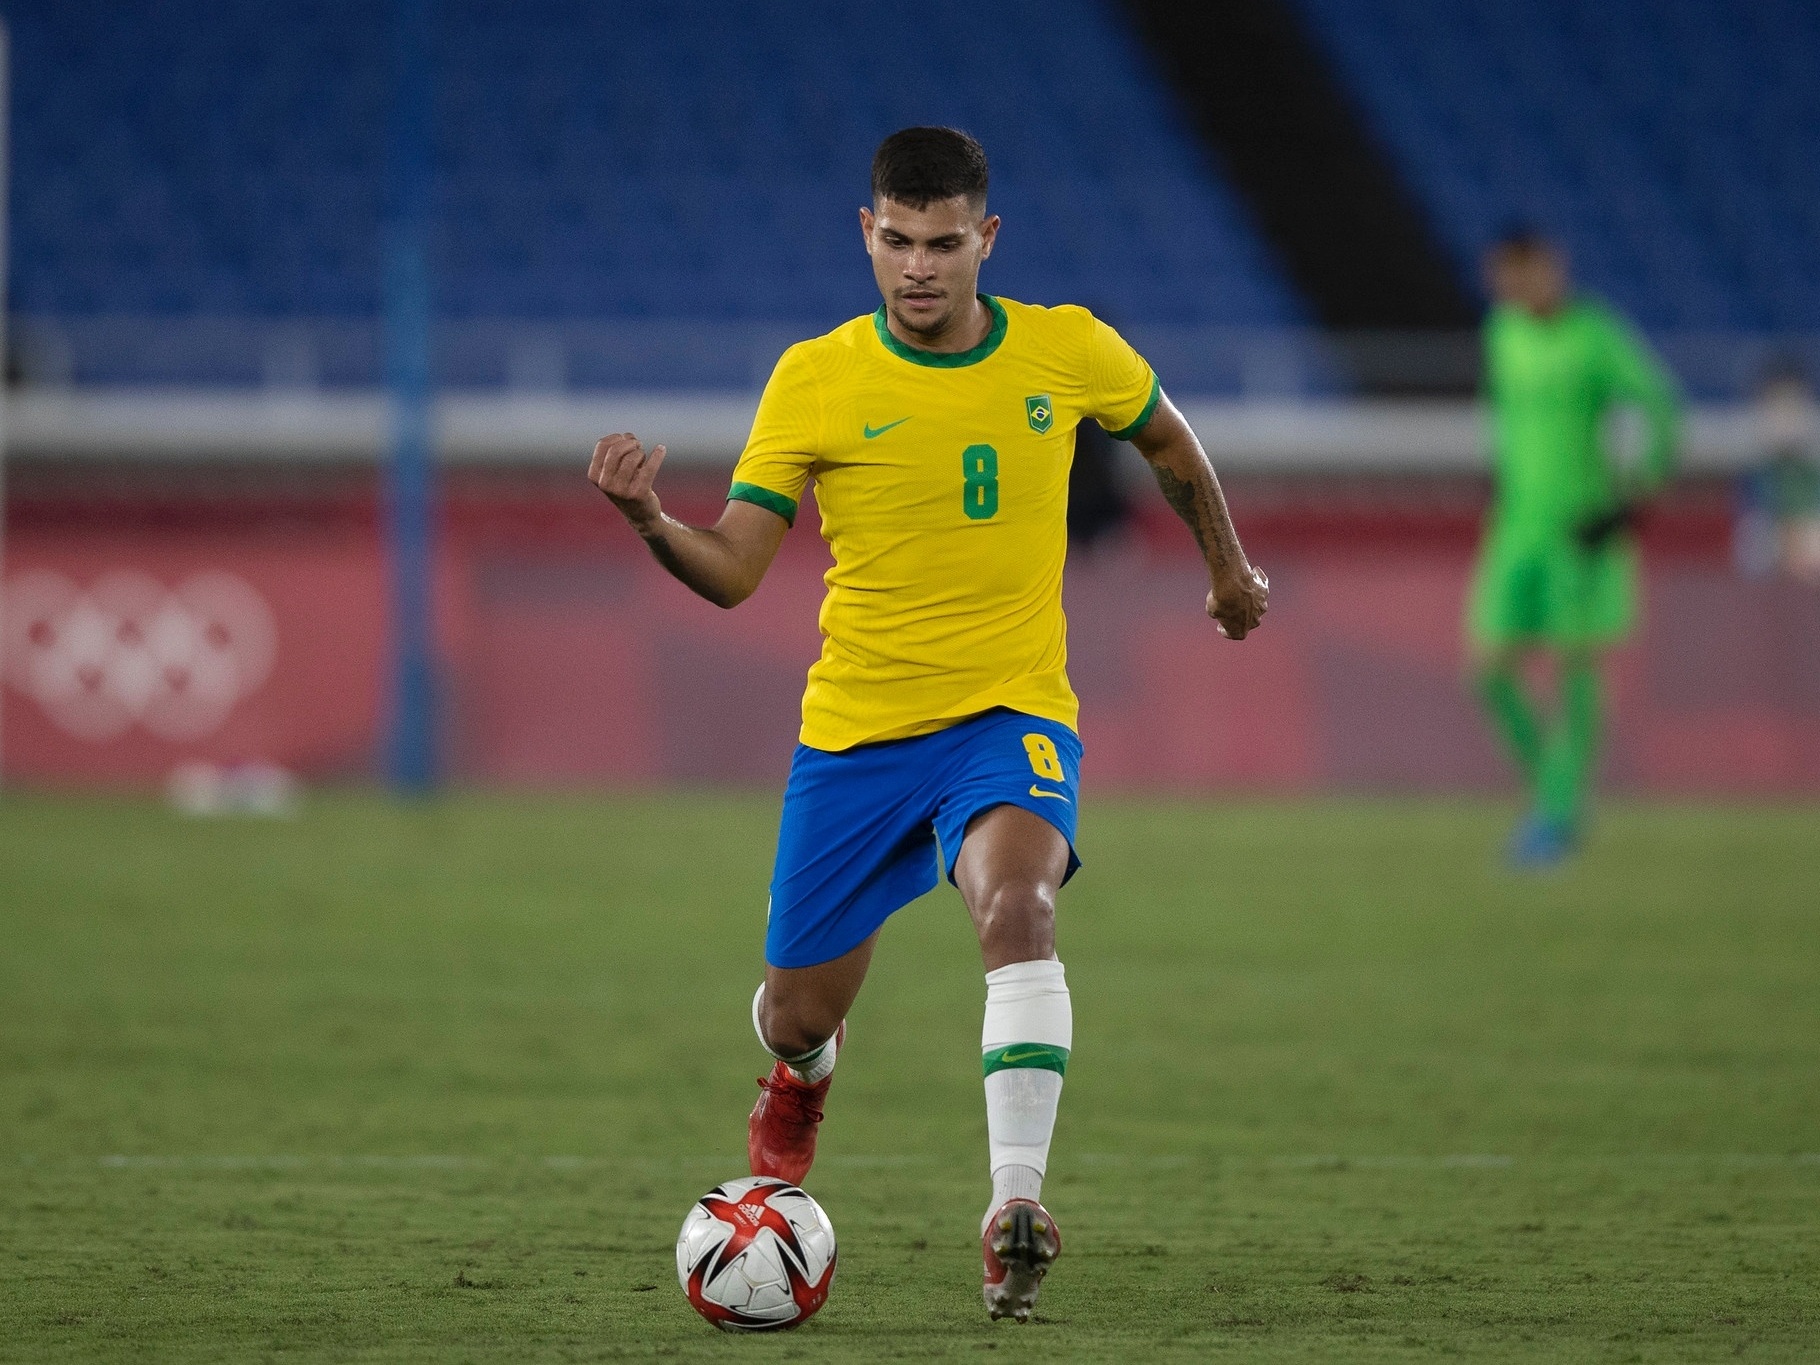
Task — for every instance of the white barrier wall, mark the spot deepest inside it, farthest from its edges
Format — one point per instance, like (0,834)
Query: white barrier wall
(1362,436)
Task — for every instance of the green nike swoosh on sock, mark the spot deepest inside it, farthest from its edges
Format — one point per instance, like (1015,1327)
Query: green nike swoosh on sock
(1037,1056)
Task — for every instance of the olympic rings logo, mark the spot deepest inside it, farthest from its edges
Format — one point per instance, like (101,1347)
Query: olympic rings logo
(128,651)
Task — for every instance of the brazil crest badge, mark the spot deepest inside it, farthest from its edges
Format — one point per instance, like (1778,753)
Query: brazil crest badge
(1040,411)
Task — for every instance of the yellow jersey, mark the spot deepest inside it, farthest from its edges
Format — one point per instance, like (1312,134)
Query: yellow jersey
(942,481)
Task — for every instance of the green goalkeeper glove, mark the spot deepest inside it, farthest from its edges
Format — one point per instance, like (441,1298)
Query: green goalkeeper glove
(1596,532)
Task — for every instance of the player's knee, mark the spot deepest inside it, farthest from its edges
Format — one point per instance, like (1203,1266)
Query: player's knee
(1581,656)
(1018,914)
(794,1026)
(791,1037)
(1486,666)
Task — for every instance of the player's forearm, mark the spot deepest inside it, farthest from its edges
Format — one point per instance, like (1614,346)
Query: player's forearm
(1664,414)
(1195,495)
(1643,380)
(702,558)
(1190,486)
(1643,480)
(723,563)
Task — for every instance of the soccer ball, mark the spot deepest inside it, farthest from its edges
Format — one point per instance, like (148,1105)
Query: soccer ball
(756,1255)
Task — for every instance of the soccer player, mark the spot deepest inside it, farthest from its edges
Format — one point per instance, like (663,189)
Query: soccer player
(938,432)
(1558,566)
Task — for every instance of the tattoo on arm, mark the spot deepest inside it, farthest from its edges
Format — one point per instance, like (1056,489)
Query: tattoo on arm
(666,555)
(701,559)
(1198,502)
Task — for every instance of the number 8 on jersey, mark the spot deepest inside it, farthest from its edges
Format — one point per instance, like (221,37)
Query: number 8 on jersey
(979,482)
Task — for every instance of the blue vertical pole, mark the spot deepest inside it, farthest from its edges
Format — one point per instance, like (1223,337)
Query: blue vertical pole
(6,104)
(409,477)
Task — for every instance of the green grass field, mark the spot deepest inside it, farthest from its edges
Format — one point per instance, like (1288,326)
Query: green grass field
(438,1084)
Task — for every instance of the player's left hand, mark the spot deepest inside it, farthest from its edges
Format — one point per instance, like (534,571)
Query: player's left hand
(1237,607)
(1596,532)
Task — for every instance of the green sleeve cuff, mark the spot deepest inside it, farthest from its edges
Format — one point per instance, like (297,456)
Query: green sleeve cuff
(1143,418)
(765,498)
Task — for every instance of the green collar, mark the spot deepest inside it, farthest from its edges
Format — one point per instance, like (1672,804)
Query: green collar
(945,360)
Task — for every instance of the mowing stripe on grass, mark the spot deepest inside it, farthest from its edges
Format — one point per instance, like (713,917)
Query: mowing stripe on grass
(893,1160)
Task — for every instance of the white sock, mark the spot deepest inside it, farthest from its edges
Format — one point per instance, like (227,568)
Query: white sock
(1024,1048)
(1014,1182)
(817,1064)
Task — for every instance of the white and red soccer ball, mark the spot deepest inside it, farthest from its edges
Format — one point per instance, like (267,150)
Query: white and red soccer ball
(756,1255)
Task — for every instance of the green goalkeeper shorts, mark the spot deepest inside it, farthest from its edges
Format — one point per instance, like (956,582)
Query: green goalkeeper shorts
(1550,590)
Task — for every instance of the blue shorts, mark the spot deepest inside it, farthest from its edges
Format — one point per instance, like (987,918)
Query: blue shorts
(859,831)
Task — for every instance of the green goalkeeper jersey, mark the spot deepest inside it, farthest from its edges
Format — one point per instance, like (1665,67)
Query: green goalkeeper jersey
(1551,382)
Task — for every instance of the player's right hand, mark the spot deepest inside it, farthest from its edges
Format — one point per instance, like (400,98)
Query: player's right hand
(624,471)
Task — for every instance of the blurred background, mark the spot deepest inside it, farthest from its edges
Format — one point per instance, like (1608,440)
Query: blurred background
(315,309)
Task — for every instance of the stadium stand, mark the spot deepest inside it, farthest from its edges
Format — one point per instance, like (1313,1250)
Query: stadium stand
(1332,201)
(654,160)
(1669,142)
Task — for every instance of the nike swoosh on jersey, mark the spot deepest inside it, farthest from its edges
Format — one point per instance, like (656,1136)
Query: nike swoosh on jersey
(873,432)
(1055,796)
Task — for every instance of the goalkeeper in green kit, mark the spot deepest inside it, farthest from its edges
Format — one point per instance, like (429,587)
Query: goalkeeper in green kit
(1557,569)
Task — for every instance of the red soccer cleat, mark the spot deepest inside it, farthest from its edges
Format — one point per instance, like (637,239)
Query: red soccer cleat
(780,1135)
(1020,1243)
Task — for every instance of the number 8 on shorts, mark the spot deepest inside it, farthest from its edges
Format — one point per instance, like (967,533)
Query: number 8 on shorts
(1044,761)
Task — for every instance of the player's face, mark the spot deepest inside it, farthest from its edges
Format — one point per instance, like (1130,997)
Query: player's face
(1532,278)
(927,260)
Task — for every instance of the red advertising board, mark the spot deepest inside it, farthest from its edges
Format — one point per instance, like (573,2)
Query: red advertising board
(135,644)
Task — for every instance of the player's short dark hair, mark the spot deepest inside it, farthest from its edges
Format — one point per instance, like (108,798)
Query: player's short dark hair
(917,167)
(1521,237)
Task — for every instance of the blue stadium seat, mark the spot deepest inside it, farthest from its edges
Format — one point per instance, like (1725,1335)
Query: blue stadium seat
(1671,143)
(675,158)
